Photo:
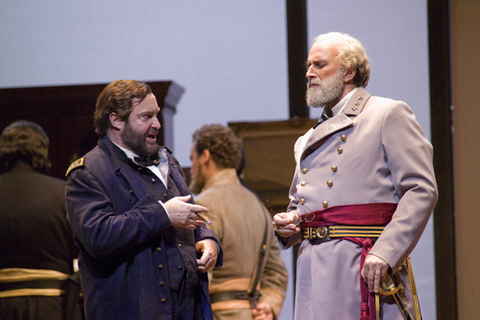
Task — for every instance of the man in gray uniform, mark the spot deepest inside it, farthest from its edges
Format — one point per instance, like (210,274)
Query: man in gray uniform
(365,169)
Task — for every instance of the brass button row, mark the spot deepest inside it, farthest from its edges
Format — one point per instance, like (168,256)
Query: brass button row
(329,182)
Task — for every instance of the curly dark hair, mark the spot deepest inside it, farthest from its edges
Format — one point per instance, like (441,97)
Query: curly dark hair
(24,141)
(224,146)
(120,97)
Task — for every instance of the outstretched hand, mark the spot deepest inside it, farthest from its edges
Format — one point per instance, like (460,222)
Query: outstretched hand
(182,213)
(285,224)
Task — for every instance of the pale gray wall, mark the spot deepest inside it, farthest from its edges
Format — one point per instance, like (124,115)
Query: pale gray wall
(229,55)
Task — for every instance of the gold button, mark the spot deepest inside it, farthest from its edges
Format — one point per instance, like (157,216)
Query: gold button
(334,168)
(179,267)
(164,195)
(304,170)
(160,266)
(179,245)
(131,191)
(139,168)
(303,183)
(162,283)
(329,183)
(302,200)
(159,249)
(163,300)
(325,204)
(153,180)
(340,150)
(343,137)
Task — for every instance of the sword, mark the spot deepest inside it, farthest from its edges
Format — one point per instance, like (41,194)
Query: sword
(393,289)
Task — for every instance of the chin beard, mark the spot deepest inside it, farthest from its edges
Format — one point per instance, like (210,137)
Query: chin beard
(328,93)
(138,143)
(197,183)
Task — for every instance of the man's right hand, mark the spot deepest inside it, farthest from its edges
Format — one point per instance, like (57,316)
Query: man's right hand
(263,311)
(285,224)
(182,213)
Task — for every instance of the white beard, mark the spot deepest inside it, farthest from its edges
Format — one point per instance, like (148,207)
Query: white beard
(329,90)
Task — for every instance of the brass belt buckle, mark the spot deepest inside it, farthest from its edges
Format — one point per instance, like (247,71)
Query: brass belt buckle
(321,232)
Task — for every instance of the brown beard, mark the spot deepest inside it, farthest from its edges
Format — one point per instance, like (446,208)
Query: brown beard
(197,182)
(136,142)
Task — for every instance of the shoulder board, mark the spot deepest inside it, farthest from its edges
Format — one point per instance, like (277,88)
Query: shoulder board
(75,164)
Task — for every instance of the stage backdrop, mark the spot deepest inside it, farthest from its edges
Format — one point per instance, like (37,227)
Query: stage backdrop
(230,56)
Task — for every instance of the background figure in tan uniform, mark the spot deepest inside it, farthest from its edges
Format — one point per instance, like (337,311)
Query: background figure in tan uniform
(239,219)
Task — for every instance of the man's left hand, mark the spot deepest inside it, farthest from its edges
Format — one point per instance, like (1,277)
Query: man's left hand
(263,311)
(209,250)
(374,269)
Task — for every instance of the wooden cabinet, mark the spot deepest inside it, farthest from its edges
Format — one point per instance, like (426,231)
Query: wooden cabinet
(66,115)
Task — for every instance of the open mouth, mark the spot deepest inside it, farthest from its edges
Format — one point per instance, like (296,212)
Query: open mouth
(152,137)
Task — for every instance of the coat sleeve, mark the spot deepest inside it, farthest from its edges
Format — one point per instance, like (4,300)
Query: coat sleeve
(409,156)
(104,228)
(292,206)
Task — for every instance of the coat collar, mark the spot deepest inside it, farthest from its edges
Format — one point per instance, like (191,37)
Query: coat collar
(224,176)
(354,107)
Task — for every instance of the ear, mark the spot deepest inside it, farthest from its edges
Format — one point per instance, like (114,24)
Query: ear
(115,121)
(349,74)
(204,157)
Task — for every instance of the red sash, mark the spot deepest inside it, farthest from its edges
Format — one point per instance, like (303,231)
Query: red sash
(368,214)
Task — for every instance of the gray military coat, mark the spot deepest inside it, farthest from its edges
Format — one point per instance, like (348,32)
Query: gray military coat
(374,151)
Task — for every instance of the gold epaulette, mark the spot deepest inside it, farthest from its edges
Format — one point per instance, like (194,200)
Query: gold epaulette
(75,164)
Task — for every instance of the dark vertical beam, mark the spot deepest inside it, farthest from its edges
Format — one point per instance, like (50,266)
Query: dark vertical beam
(442,140)
(297,54)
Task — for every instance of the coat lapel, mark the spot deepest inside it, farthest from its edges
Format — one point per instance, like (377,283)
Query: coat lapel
(354,107)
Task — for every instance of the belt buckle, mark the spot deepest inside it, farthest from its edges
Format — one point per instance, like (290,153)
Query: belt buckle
(321,232)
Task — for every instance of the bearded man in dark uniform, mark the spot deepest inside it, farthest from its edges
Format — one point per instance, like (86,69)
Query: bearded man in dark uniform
(134,220)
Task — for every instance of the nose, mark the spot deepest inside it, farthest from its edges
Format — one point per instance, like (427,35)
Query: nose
(156,123)
(310,74)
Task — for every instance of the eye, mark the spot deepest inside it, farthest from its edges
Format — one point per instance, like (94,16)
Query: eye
(316,64)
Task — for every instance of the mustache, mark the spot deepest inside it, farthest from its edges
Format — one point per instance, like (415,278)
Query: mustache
(152,132)
(313,82)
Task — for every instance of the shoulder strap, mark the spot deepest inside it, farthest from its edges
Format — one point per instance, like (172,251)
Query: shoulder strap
(253,294)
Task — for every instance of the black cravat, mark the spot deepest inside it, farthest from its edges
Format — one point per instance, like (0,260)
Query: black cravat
(147,161)
(323,118)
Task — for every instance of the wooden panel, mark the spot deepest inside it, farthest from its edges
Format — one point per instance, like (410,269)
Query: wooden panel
(270,164)
(66,115)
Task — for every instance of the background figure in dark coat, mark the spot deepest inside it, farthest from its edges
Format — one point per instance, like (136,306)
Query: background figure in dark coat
(36,243)
(135,222)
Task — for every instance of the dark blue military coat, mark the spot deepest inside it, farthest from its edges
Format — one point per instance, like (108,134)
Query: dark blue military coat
(130,257)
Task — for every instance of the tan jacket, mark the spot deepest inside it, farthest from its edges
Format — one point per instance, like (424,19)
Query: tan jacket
(238,218)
